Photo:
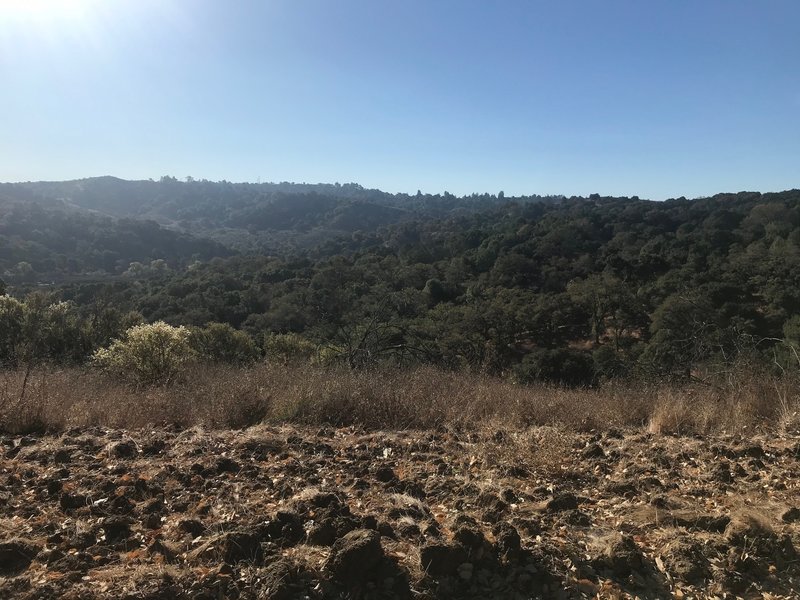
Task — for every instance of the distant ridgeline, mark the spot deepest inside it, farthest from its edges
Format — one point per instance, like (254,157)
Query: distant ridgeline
(569,290)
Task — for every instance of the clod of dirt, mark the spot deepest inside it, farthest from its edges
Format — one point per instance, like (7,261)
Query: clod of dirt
(82,540)
(722,473)
(593,451)
(121,506)
(507,540)
(73,501)
(192,526)
(742,570)
(227,465)
(355,555)
(242,545)
(16,556)
(684,560)
(116,528)
(754,451)
(286,529)
(440,560)
(62,456)
(622,556)
(562,502)
(791,516)
(160,547)
(385,475)
(746,528)
(279,579)
(124,450)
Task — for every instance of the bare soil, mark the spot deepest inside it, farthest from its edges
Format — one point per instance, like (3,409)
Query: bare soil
(285,512)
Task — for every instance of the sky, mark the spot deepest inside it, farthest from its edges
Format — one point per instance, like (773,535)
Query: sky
(656,98)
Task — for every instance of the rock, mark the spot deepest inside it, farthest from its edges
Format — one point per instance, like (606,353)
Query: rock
(124,450)
(562,502)
(440,560)
(16,555)
(355,555)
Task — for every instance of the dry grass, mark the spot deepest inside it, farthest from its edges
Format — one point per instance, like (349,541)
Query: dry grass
(425,398)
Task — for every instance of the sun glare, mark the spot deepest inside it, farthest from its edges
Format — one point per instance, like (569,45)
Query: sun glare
(43,11)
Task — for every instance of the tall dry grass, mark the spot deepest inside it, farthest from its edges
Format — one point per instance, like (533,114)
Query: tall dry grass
(224,397)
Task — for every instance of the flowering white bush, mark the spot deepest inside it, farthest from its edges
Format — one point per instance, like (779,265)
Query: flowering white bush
(154,354)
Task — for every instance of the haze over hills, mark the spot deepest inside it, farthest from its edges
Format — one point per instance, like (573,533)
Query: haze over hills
(265,217)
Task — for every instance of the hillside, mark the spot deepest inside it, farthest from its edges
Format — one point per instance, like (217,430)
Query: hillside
(264,216)
(573,291)
(48,240)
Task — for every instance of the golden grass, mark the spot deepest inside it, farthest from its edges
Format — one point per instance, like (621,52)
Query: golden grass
(423,398)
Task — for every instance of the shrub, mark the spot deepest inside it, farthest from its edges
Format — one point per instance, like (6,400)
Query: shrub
(155,354)
(288,348)
(219,342)
(12,318)
(562,366)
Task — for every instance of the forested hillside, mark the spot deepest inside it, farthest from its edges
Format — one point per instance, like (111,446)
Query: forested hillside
(42,241)
(566,290)
(264,217)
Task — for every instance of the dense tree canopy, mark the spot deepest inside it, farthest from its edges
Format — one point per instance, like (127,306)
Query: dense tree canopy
(570,290)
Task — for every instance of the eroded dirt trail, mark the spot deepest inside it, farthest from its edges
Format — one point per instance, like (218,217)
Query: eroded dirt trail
(293,513)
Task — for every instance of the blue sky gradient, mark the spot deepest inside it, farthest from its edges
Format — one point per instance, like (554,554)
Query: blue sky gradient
(661,98)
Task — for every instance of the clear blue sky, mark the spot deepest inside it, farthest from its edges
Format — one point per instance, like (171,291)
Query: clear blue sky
(657,98)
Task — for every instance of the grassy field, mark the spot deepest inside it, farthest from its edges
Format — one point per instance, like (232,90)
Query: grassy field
(426,398)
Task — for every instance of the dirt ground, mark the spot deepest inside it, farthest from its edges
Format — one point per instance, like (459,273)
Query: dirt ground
(286,513)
